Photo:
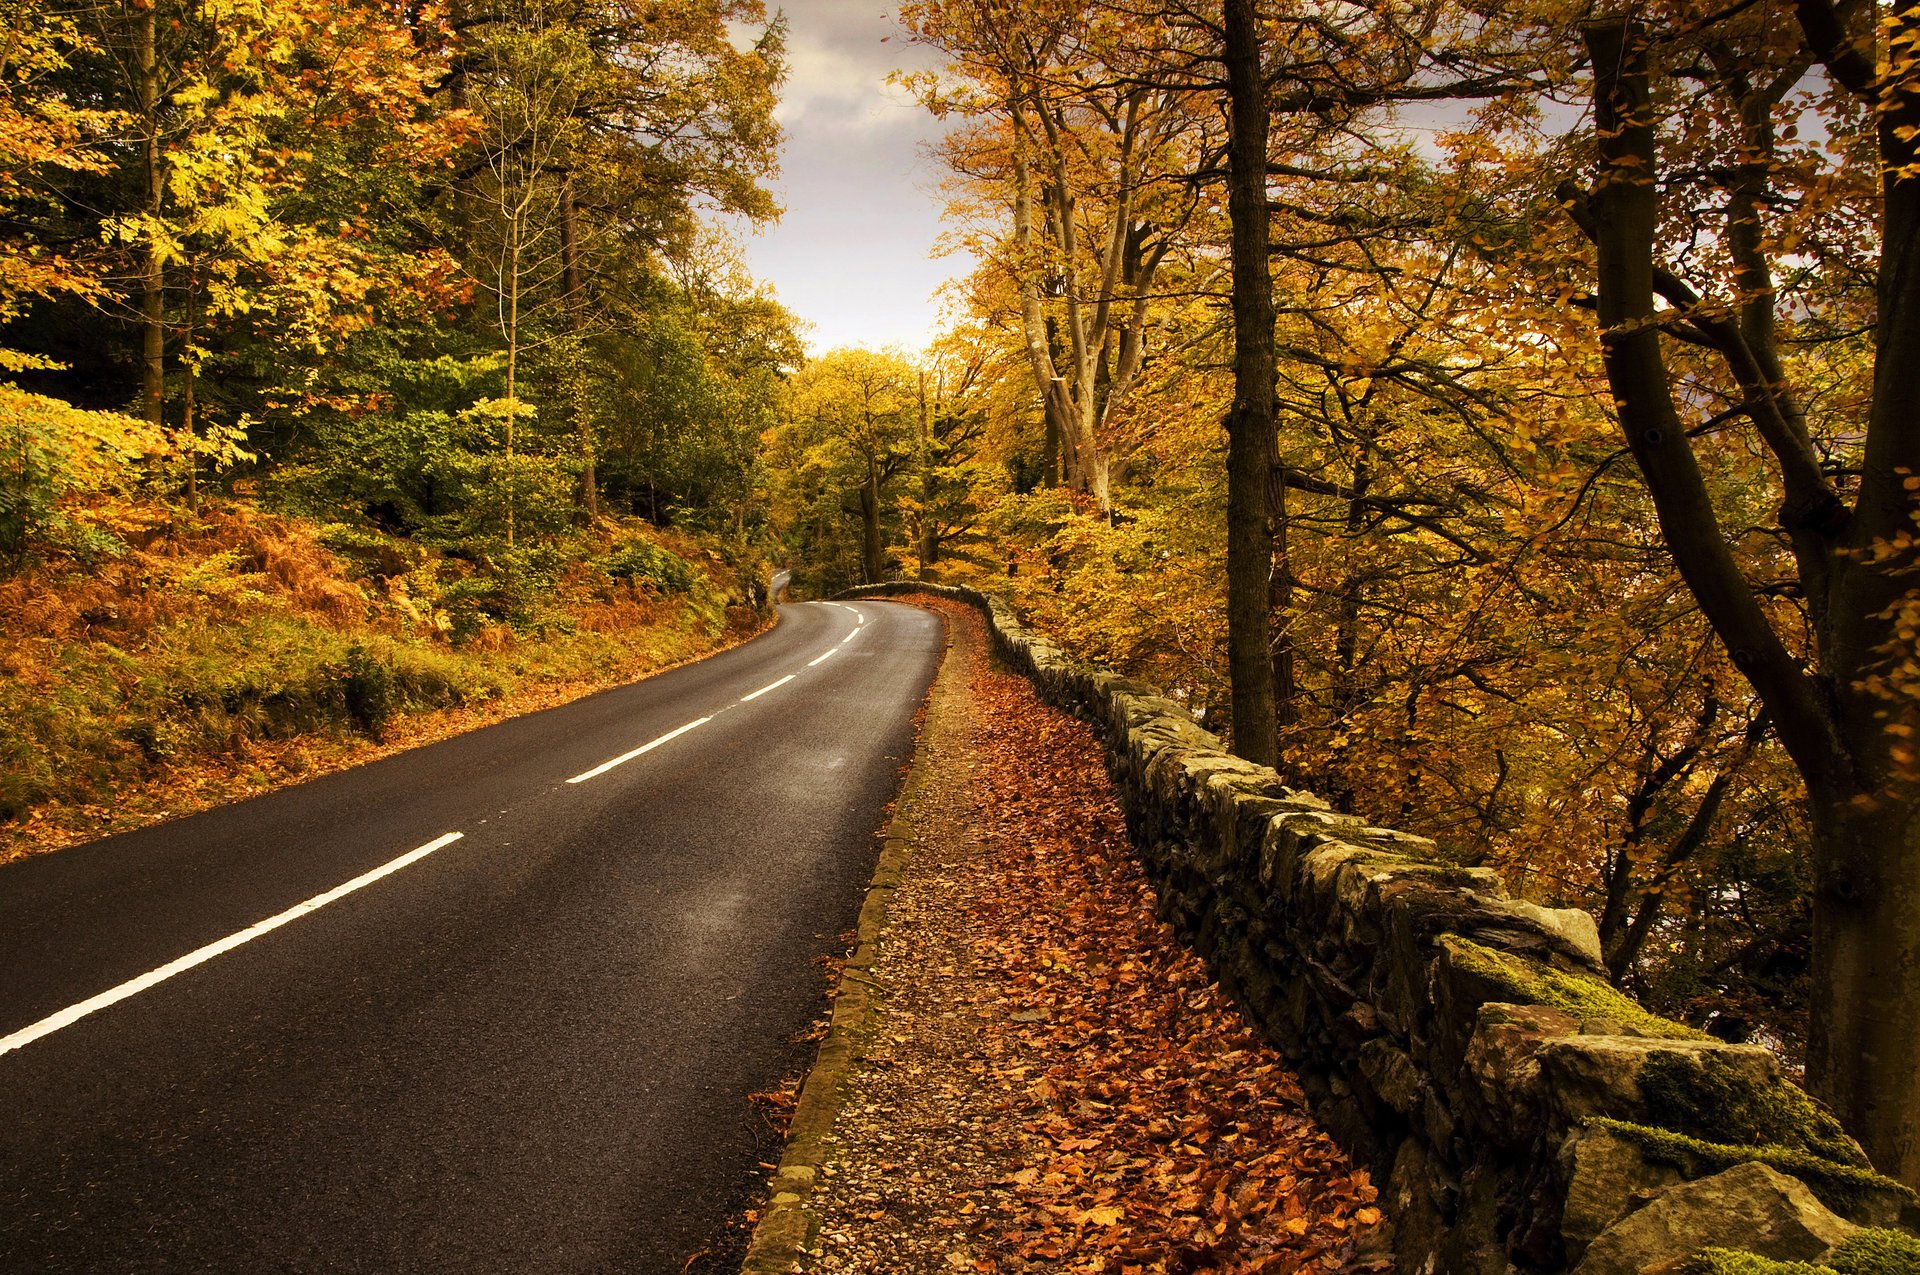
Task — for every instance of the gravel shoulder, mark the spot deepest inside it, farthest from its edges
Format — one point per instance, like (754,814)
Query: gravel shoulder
(1026,1072)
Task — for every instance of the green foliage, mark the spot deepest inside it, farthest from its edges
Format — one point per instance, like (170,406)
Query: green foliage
(639,561)
(210,688)
(243,635)
(512,587)
(51,453)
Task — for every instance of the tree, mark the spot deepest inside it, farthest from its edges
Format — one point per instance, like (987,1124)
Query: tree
(1253,496)
(849,434)
(607,124)
(1086,168)
(1849,721)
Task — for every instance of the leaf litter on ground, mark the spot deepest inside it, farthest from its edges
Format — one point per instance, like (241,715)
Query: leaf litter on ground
(1054,1082)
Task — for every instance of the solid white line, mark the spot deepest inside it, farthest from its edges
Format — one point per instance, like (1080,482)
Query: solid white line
(771,686)
(821,658)
(649,746)
(74,1013)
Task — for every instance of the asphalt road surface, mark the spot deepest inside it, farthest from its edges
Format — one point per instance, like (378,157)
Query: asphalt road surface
(528,1047)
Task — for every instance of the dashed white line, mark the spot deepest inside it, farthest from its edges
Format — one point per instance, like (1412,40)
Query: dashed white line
(649,746)
(818,659)
(770,686)
(74,1013)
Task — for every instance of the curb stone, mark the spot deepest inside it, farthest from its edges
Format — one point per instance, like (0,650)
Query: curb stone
(789,1223)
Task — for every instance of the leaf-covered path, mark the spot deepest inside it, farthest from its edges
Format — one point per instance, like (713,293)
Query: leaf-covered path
(1050,1081)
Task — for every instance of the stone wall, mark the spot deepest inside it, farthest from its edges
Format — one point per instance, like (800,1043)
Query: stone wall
(1521,1114)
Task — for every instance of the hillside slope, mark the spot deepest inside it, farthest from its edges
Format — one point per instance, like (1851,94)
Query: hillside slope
(218,654)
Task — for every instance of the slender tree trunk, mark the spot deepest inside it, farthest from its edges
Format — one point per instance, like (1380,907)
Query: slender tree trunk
(576,298)
(153,295)
(1252,459)
(870,547)
(187,426)
(929,534)
(1280,604)
(513,364)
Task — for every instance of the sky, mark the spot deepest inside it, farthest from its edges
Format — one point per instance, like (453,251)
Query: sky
(853,254)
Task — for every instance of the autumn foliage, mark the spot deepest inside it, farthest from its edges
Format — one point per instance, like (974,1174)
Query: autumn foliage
(1179,1143)
(1587,544)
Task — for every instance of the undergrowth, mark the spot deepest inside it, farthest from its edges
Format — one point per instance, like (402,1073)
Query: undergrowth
(215,654)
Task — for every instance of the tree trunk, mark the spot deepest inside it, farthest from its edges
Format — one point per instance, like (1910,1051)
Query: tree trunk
(153,296)
(870,547)
(187,427)
(1252,458)
(929,534)
(1863,1055)
(1850,745)
(576,299)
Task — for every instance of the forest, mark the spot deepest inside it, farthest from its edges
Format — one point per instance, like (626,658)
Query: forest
(1498,417)
(362,360)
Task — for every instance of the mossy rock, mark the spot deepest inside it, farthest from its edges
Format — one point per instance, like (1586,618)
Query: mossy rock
(1704,1096)
(1875,1251)
(1847,1189)
(1530,982)
(1726,1261)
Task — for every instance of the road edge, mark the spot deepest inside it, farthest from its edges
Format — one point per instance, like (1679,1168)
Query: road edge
(788,1224)
(16,848)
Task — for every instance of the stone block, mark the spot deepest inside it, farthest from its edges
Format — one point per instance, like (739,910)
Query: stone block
(1605,1176)
(1392,1074)
(1599,1075)
(1750,1206)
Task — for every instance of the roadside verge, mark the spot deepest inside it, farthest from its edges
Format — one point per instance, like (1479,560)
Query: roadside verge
(789,1222)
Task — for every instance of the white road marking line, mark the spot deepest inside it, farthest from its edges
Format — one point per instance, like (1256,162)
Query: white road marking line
(74,1013)
(647,747)
(849,637)
(861,617)
(771,686)
(821,658)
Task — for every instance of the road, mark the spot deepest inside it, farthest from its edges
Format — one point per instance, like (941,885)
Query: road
(527,1048)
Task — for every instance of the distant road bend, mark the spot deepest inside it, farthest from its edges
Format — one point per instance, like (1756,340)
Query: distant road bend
(495,1004)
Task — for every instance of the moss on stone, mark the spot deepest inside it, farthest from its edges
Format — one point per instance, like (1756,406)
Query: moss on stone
(1706,1096)
(1726,1261)
(1532,983)
(1870,1252)
(1841,1187)
(1876,1251)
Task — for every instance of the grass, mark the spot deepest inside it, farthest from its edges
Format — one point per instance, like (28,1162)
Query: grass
(236,653)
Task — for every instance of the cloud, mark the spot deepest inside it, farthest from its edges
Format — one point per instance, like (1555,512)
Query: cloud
(853,255)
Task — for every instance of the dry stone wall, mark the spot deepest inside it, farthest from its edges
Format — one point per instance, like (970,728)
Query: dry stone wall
(1520,1113)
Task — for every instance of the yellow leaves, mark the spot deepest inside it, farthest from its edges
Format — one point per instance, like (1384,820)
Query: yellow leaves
(1107,1215)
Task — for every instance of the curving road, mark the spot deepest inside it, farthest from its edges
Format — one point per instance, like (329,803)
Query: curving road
(318,1031)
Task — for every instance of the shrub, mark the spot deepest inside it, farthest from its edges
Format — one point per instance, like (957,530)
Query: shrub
(642,562)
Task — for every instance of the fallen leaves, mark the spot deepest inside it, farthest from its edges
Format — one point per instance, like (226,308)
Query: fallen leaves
(1071,1091)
